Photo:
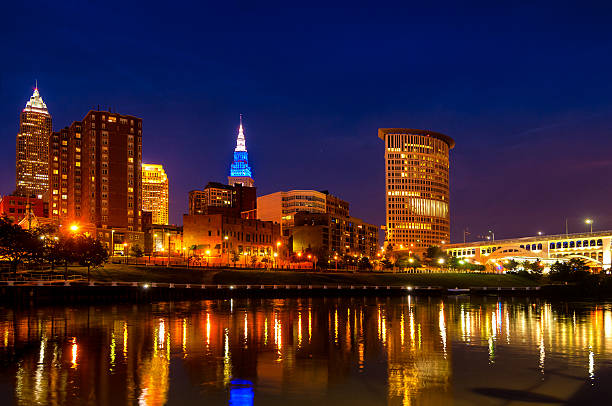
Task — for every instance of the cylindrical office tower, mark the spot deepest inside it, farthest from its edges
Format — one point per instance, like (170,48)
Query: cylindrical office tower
(417,188)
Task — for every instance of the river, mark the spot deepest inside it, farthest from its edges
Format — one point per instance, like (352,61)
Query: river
(309,351)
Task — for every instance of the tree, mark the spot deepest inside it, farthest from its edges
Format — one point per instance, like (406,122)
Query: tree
(90,253)
(364,263)
(137,251)
(386,264)
(409,261)
(18,245)
(512,265)
(67,251)
(235,257)
(435,256)
(570,271)
(253,260)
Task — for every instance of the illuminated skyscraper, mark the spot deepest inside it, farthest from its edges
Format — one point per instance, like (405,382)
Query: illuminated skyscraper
(32,163)
(417,188)
(240,171)
(155,192)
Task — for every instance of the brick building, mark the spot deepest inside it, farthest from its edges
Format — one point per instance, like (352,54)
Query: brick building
(95,177)
(219,237)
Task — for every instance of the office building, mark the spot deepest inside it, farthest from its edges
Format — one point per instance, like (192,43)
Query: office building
(240,171)
(95,173)
(217,198)
(280,207)
(327,235)
(155,193)
(329,213)
(417,188)
(32,158)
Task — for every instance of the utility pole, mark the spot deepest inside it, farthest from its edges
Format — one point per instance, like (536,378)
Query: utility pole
(465,233)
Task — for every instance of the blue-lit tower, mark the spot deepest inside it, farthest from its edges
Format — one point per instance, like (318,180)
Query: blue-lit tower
(240,171)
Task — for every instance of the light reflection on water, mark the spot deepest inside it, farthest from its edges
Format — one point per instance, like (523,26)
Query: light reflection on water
(340,351)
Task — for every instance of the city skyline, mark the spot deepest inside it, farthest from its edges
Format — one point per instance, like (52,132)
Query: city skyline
(515,115)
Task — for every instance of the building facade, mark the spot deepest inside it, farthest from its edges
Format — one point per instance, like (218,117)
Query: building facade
(326,235)
(416,188)
(330,217)
(281,207)
(240,171)
(221,238)
(217,198)
(95,176)
(155,193)
(32,159)
(16,207)
(592,247)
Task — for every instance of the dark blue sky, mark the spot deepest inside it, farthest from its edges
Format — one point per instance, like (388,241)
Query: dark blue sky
(525,90)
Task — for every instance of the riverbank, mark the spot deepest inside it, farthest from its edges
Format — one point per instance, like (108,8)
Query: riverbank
(216,276)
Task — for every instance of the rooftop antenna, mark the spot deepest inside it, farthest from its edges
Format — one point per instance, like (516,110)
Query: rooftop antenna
(36,84)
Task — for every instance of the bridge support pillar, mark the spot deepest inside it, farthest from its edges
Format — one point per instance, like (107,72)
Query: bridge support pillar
(607,256)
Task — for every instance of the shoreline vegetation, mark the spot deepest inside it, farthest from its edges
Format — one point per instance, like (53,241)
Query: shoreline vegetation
(130,280)
(221,276)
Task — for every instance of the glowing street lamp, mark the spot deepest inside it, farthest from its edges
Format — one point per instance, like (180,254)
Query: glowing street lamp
(590,223)
(126,252)
(74,228)
(207,257)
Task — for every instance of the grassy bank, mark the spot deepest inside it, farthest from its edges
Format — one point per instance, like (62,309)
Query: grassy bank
(132,273)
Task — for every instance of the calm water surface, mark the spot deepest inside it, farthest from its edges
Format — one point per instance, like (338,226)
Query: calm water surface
(323,351)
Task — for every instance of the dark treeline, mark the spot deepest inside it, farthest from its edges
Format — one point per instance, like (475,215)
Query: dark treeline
(46,246)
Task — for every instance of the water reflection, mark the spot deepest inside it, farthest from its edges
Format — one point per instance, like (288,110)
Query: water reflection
(401,351)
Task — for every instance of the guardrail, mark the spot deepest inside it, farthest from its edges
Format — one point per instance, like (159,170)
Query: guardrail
(264,287)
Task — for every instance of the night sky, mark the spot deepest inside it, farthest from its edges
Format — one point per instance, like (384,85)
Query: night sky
(524,89)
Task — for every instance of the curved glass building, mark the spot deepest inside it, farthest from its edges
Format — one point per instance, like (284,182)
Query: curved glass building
(417,188)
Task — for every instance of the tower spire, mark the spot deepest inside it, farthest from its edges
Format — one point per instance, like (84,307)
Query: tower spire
(240,171)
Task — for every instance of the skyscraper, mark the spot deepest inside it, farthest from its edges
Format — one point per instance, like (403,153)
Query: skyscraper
(95,172)
(417,187)
(32,163)
(155,192)
(240,171)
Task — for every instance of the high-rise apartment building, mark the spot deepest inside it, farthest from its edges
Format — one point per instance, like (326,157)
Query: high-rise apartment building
(155,192)
(95,173)
(240,171)
(417,187)
(32,163)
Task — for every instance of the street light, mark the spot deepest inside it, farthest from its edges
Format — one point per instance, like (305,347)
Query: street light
(74,228)
(207,257)
(126,252)
(492,234)
(227,249)
(540,233)
(590,223)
